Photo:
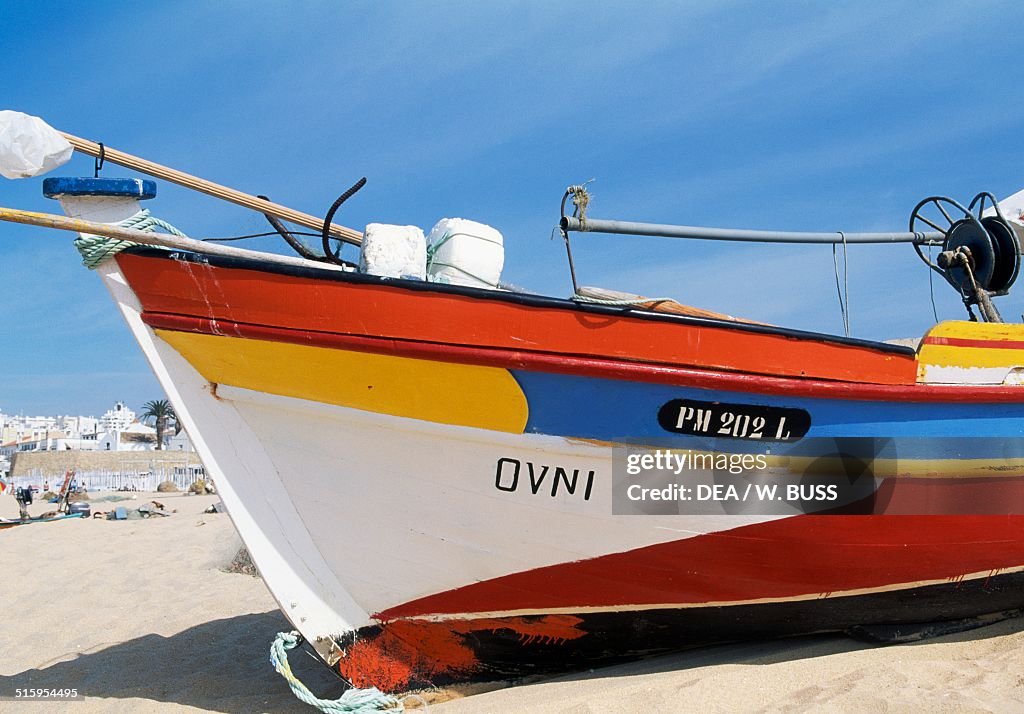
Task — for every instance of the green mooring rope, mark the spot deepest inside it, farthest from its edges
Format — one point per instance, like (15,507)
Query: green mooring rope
(353,701)
(96,249)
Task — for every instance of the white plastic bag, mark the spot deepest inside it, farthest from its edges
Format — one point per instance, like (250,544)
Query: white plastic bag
(29,146)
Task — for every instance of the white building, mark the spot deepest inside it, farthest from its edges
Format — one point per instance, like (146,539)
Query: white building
(7,450)
(16,428)
(79,426)
(50,441)
(117,419)
(134,437)
(179,442)
(116,430)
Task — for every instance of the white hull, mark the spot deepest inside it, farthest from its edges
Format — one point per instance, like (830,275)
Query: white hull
(347,513)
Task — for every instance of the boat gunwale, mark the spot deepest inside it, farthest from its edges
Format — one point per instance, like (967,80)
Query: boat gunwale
(313,272)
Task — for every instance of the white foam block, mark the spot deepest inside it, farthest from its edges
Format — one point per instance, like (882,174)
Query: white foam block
(393,252)
(1012,207)
(465,252)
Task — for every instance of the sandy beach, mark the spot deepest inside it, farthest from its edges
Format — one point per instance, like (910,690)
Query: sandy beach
(140,616)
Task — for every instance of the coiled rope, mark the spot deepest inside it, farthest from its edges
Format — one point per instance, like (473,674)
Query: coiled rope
(619,302)
(95,249)
(353,701)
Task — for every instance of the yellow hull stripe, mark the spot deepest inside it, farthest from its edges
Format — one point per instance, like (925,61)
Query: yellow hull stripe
(950,356)
(1003,350)
(442,392)
(991,331)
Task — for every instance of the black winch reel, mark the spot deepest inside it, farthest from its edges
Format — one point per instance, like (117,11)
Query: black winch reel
(980,255)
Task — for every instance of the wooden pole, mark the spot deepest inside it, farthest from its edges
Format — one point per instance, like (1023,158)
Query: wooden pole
(654,305)
(51,220)
(208,187)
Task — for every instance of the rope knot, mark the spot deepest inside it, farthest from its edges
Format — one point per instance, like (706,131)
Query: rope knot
(580,199)
(95,249)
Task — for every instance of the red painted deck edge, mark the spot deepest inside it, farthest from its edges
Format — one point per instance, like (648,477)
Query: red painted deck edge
(388,311)
(964,342)
(595,367)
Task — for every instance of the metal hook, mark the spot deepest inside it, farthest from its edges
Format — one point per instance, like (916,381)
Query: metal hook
(98,164)
(571,191)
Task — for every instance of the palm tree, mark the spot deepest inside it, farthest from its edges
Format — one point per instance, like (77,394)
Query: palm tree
(161,412)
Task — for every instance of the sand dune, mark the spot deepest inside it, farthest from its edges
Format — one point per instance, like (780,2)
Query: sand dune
(139,617)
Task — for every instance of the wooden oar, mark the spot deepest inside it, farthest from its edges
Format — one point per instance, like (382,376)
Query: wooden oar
(50,220)
(208,187)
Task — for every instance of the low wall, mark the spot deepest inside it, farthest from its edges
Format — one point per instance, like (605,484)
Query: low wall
(103,470)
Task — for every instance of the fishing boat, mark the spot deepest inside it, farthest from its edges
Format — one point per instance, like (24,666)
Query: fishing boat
(11,523)
(434,479)
(63,508)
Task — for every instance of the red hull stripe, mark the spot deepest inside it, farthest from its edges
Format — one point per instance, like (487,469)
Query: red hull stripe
(229,294)
(983,344)
(595,367)
(790,557)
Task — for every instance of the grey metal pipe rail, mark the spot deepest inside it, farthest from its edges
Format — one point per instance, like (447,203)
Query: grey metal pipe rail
(591,225)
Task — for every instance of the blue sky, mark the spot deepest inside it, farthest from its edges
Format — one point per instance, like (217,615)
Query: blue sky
(794,115)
